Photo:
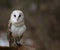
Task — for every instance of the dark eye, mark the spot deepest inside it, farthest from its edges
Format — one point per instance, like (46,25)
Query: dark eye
(19,15)
(14,15)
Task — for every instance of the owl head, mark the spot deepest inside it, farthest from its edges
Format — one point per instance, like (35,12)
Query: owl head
(17,16)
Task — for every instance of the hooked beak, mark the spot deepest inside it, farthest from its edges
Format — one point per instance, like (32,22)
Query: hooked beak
(18,19)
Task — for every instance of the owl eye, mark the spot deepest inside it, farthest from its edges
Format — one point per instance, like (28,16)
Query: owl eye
(19,15)
(14,15)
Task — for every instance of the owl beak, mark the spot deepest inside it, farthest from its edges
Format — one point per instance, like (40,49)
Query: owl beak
(17,19)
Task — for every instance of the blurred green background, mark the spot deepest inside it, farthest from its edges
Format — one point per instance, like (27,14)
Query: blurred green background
(42,18)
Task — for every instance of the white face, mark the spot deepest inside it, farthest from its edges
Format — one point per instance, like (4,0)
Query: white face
(17,16)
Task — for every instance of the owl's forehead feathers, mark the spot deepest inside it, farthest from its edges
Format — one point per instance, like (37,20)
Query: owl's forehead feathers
(17,12)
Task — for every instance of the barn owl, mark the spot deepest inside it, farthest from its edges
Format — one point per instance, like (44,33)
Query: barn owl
(16,27)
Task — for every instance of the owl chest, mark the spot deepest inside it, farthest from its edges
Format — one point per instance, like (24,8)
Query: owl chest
(14,29)
(18,30)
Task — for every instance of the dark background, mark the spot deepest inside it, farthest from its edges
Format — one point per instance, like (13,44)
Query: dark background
(42,18)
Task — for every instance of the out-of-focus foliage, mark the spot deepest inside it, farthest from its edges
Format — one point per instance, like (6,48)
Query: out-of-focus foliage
(42,18)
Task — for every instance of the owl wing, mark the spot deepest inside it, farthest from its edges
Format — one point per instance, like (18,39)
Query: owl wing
(9,35)
(9,25)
